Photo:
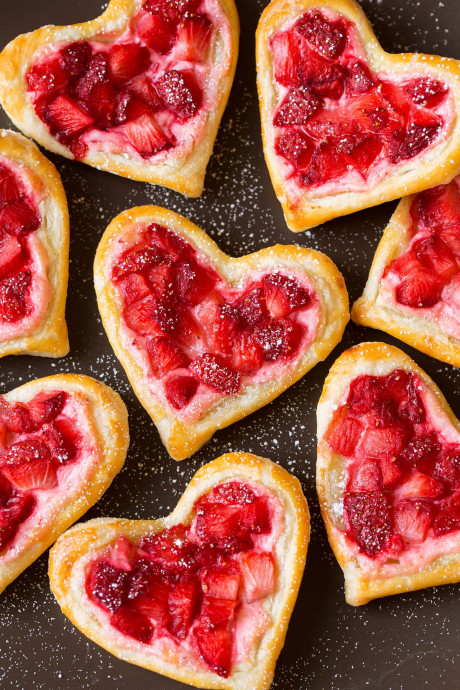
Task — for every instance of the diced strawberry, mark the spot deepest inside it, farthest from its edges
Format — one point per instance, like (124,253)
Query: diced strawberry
(368,477)
(438,209)
(323,77)
(363,395)
(359,79)
(296,147)
(165,356)
(75,57)
(412,520)
(127,60)
(286,57)
(167,241)
(298,107)
(13,293)
(434,254)
(419,485)
(97,73)
(327,164)
(411,408)
(143,317)
(378,441)
(9,189)
(62,440)
(180,390)
(447,467)
(134,288)
(450,234)
(247,354)
(107,585)
(213,371)
(134,624)
(155,32)
(343,435)
(183,604)
(155,604)
(66,116)
(12,255)
(46,76)
(327,37)
(179,93)
(193,38)
(146,136)
(16,416)
(258,575)
(217,612)
(193,282)
(448,518)
(365,153)
(170,10)
(369,519)
(103,105)
(255,516)
(148,580)
(19,217)
(15,508)
(426,91)
(220,524)
(171,549)
(278,338)
(220,584)
(45,407)
(421,452)
(215,647)
(284,295)
(161,279)
(419,289)
(251,308)
(141,99)
(391,470)
(221,328)
(418,136)
(28,464)
(136,261)
(122,554)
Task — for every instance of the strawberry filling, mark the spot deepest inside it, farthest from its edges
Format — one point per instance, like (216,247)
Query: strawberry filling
(19,220)
(425,279)
(144,93)
(197,338)
(402,473)
(190,587)
(337,125)
(39,441)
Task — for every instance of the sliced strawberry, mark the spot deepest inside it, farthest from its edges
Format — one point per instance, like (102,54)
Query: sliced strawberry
(167,241)
(217,612)
(412,520)
(140,99)
(154,605)
(447,467)
(258,575)
(284,295)
(150,317)
(161,280)
(146,136)
(134,288)
(66,117)
(323,77)
(369,519)
(165,356)
(220,524)
(247,354)
(12,255)
(171,549)
(221,328)
(103,105)
(19,217)
(136,261)
(62,440)
(123,554)
(296,147)
(193,38)
(75,57)
(365,153)
(418,136)
(344,435)
(391,469)
(16,416)
(233,492)
(298,107)
(13,296)
(179,93)
(170,10)
(327,163)
(287,57)
(448,518)
(183,604)
(251,308)
(97,73)
(213,371)
(9,189)
(29,465)
(419,289)
(359,79)
(134,624)
(155,32)
(180,390)
(193,282)
(220,584)
(368,477)
(45,407)
(377,441)
(327,37)
(15,508)
(278,338)
(107,585)
(434,254)
(46,76)
(127,60)
(426,91)
(255,516)
(215,647)
(419,485)
(421,452)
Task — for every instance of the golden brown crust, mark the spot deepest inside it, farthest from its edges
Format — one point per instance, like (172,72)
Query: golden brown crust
(436,166)
(110,423)
(257,673)
(182,440)
(49,338)
(376,359)
(371,310)
(185,175)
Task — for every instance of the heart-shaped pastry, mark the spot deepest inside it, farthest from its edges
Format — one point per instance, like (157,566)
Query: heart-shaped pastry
(413,290)
(346,125)
(139,91)
(204,595)
(388,474)
(34,251)
(205,339)
(62,441)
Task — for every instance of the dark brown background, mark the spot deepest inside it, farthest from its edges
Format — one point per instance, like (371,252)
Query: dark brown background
(402,642)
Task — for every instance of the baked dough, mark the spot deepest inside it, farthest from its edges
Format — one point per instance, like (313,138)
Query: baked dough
(438,164)
(180,439)
(375,359)
(186,174)
(291,549)
(110,423)
(371,310)
(50,338)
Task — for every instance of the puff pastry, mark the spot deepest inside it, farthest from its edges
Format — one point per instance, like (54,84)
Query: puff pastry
(230,643)
(206,339)
(388,474)
(413,289)
(346,125)
(34,251)
(63,440)
(139,91)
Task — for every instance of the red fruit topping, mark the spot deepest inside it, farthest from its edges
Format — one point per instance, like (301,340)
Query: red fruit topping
(327,163)
(251,309)
(136,261)
(220,584)
(62,440)
(155,32)
(369,520)
(233,492)
(215,647)
(28,464)
(412,520)
(193,282)
(420,452)
(13,294)
(222,328)
(66,117)
(179,93)
(135,288)
(434,254)
(378,441)
(11,255)
(193,38)
(328,38)
(286,57)
(146,136)
(359,79)
(165,356)
(296,147)
(427,92)
(345,436)
(368,478)
(107,585)
(45,407)
(214,372)
(417,137)
(258,575)
(298,107)
(323,77)
(448,518)
(421,288)
(15,508)
(150,317)
(49,76)
(184,601)
(134,624)
(170,10)
(391,469)
(19,218)
(420,485)
(127,60)
(9,190)
(217,612)
(247,354)
(180,390)
(284,295)
(447,467)
(171,548)
(75,57)
(278,338)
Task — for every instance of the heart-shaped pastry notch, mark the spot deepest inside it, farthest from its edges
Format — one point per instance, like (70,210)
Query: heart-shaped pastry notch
(62,441)
(204,338)
(388,474)
(34,251)
(139,91)
(346,125)
(204,595)
(413,289)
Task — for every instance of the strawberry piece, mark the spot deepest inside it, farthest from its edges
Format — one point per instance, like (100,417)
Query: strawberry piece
(258,575)
(167,241)
(136,261)
(179,93)
(251,308)
(439,209)
(97,73)
(150,317)
(180,390)
(364,154)
(15,508)
(127,60)
(155,32)
(434,254)
(16,417)
(412,520)
(134,288)
(298,107)
(369,519)
(170,10)
(221,328)
(193,282)
(217,612)
(45,407)
(255,516)
(327,37)
(134,624)
(148,581)
(46,76)
(215,647)
(28,464)
(418,136)
(286,57)
(363,395)
(161,280)
(447,467)
(284,295)
(448,518)
(122,554)
(11,255)
(193,38)
(183,604)
(62,439)
(377,441)
(368,477)
(421,452)
(320,75)
(247,354)
(66,117)
(171,549)
(391,469)
(344,435)
(13,293)
(411,408)
(214,372)
(220,584)
(165,356)
(296,147)
(146,136)
(420,485)
(419,289)
(155,604)
(75,57)
(327,164)
(220,524)
(9,190)
(426,91)
(19,217)
(278,338)
(359,79)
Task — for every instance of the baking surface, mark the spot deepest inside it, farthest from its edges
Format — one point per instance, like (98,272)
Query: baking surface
(406,641)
